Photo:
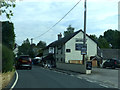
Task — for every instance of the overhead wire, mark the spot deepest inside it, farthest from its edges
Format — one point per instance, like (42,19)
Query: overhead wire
(59,20)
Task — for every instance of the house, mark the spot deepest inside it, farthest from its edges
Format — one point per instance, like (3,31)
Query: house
(68,49)
(15,51)
(110,53)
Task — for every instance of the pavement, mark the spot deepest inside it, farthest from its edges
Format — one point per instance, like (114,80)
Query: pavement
(40,77)
(105,77)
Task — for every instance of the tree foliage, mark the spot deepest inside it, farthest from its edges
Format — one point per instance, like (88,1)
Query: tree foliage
(69,31)
(102,42)
(24,49)
(41,44)
(94,37)
(8,42)
(31,49)
(110,37)
(8,35)
(5,6)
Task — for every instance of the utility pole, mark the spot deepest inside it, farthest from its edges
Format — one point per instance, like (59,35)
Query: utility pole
(84,37)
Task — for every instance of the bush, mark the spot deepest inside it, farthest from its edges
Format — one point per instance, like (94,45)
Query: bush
(7,59)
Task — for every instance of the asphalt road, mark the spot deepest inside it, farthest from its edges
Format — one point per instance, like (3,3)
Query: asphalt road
(44,78)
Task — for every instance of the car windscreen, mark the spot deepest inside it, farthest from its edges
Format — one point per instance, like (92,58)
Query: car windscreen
(24,57)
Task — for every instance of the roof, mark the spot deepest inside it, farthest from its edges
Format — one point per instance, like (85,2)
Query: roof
(65,39)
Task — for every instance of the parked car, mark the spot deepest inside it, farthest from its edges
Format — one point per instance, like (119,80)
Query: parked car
(36,60)
(113,63)
(47,65)
(24,61)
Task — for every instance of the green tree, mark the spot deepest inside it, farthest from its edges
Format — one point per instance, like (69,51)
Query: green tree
(102,42)
(27,49)
(8,35)
(24,49)
(41,44)
(8,43)
(5,6)
(112,36)
(94,37)
(69,31)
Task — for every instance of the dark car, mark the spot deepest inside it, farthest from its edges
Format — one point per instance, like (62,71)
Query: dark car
(24,61)
(112,63)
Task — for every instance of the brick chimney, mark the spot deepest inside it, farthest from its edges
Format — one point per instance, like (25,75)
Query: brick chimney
(59,36)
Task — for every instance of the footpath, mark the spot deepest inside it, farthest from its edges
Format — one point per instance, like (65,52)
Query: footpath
(105,77)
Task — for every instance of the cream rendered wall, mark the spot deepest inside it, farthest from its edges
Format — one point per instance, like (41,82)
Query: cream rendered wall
(76,55)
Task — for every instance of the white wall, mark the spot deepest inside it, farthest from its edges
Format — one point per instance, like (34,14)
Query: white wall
(76,55)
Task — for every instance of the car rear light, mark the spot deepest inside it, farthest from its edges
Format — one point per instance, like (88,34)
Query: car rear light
(115,62)
(30,60)
(20,60)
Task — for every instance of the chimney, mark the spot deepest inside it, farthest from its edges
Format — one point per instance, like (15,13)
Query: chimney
(59,36)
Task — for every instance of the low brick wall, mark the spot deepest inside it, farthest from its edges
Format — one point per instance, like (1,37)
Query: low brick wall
(72,67)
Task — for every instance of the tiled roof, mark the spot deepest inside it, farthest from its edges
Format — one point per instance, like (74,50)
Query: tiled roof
(65,39)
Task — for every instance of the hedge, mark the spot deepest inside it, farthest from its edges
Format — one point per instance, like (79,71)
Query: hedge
(7,59)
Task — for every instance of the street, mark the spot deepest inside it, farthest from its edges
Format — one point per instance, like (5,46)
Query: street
(44,78)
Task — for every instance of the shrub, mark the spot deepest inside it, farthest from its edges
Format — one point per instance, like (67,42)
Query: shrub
(7,59)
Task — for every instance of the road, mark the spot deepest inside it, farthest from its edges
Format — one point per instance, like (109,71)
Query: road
(44,78)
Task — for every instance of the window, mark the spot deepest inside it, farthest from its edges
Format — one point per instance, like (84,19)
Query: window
(61,59)
(68,50)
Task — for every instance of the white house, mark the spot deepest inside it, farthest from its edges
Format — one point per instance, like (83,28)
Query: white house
(68,49)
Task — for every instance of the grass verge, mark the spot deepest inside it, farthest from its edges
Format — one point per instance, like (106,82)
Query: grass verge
(7,77)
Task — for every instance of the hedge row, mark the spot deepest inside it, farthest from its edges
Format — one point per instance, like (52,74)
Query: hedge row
(7,59)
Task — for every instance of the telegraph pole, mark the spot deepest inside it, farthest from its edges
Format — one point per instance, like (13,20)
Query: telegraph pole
(84,37)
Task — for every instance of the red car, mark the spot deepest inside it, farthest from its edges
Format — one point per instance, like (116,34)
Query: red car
(24,61)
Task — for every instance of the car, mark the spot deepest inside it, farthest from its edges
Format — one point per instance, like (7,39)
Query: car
(24,61)
(36,60)
(112,63)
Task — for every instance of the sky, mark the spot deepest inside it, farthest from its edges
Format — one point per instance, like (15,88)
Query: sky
(34,17)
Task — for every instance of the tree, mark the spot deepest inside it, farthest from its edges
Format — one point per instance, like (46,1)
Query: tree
(24,49)
(8,43)
(94,37)
(112,36)
(41,44)
(102,42)
(5,7)
(69,31)
(8,35)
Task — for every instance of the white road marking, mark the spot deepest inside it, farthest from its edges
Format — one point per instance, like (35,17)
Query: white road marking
(79,77)
(15,81)
(103,85)
(89,80)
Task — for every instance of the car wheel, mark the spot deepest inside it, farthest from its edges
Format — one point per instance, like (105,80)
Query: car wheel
(113,67)
(30,68)
(104,66)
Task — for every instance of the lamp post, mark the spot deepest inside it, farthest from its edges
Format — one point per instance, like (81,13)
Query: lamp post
(84,37)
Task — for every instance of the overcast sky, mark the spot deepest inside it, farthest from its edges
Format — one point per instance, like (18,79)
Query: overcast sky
(33,17)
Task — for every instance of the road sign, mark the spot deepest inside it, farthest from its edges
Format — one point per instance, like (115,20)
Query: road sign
(84,50)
